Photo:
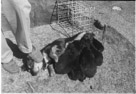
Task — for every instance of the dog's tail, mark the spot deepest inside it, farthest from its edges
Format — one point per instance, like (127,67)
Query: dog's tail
(75,37)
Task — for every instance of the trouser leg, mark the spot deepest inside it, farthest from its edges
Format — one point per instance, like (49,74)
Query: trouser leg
(22,10)
(6,53)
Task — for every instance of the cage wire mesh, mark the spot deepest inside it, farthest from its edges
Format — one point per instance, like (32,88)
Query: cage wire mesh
(72,16)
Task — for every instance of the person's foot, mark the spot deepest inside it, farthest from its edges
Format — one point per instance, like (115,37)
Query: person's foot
(36,55)
(11,67)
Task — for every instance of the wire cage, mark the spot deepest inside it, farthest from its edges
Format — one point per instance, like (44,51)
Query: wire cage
(72,16)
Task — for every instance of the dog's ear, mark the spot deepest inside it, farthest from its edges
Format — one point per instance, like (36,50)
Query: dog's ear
(56,52)
(53,54)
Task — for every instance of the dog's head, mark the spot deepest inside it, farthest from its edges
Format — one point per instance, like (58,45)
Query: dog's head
(88,40)
(59,48)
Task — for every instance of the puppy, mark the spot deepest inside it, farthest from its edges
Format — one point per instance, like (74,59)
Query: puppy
(76,72)
(95,46)
(91,55)
(87,62)
(97,49)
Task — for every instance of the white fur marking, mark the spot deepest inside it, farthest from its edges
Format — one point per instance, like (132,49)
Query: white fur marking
(53,53)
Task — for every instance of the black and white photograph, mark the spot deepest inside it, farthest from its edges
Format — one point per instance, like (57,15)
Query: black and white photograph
(68,46)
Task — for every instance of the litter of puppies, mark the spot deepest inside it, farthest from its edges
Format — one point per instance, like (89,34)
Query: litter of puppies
(76,56)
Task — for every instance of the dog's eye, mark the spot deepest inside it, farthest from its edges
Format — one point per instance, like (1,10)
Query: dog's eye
(58,51)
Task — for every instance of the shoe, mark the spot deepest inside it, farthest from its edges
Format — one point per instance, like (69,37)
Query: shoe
(11,67)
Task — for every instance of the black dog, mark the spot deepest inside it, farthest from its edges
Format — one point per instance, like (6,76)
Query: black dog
(51,54)
(54,50)
(57,47)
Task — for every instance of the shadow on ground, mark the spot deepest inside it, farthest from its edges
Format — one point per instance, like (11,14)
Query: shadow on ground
(16,52)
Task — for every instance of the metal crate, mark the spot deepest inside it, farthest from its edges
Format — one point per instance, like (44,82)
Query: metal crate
(72,16)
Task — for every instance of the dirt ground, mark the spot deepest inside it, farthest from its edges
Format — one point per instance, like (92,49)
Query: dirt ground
(117,73)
